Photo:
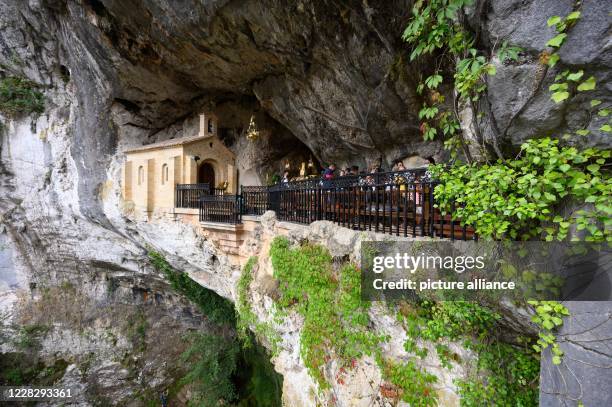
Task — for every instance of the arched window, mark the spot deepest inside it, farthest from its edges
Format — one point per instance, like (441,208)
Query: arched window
(140,175)
(164,174)
(210,126)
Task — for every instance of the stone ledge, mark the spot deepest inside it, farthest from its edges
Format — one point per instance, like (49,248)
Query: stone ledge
(186,211)
(251,218)
(222,226)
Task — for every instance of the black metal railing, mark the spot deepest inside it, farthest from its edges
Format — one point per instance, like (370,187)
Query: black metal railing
(396,202)
(188,195)
(400,203)
(220,209)
(254,200)
(405,209)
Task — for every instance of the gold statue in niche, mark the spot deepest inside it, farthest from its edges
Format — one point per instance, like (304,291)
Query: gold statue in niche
(303,170)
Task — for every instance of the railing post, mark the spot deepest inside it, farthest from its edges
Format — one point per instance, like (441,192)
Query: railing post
(432,210)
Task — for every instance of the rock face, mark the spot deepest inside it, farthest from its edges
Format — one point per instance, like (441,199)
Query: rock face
(582,375)
(518,98)
(361,387)
(331,79)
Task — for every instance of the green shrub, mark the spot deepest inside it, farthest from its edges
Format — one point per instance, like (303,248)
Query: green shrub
(335,318)
(506,376)
(211,361)
(519,199)
(503,374)
(19,96)
(247,318)
(29,336)
(414,383)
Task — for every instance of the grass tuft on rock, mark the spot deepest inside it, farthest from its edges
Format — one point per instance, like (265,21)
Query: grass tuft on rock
(20,96)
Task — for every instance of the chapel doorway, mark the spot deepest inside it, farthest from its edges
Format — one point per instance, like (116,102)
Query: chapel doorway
(206,174)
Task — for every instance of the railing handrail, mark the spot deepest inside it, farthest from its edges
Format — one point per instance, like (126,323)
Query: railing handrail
(378,178)
(202,185)
(395,202)
(210,198)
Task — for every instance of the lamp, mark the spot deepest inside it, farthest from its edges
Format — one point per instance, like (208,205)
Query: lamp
(252,132)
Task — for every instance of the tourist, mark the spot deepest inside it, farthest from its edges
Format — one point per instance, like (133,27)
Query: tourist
(370,180)
(329,172)
(342,173)
(354,170)
(285,178)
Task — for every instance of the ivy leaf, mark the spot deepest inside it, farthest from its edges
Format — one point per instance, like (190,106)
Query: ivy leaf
(573,16)
(433,81)
(558,86)
(559,97)
(606,127)
(553,20)
(556,360)
(589,84)
(557,40)
(595,102)
(564,167)
(583,132)
(593,168)
(575,76)
(553,59)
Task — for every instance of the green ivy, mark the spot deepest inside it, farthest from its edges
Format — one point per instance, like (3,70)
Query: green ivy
(435,30)
(518,199)
(246,316)
(511,377)
(504,375)
(414,384)
(20,96)
(210,361)
(335,318)
(568,83)
(548,316)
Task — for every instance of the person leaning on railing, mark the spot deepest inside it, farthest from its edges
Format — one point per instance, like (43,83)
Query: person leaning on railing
(328,175)
(285,178)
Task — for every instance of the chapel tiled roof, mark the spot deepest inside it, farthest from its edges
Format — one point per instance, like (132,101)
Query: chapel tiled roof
(168,143)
